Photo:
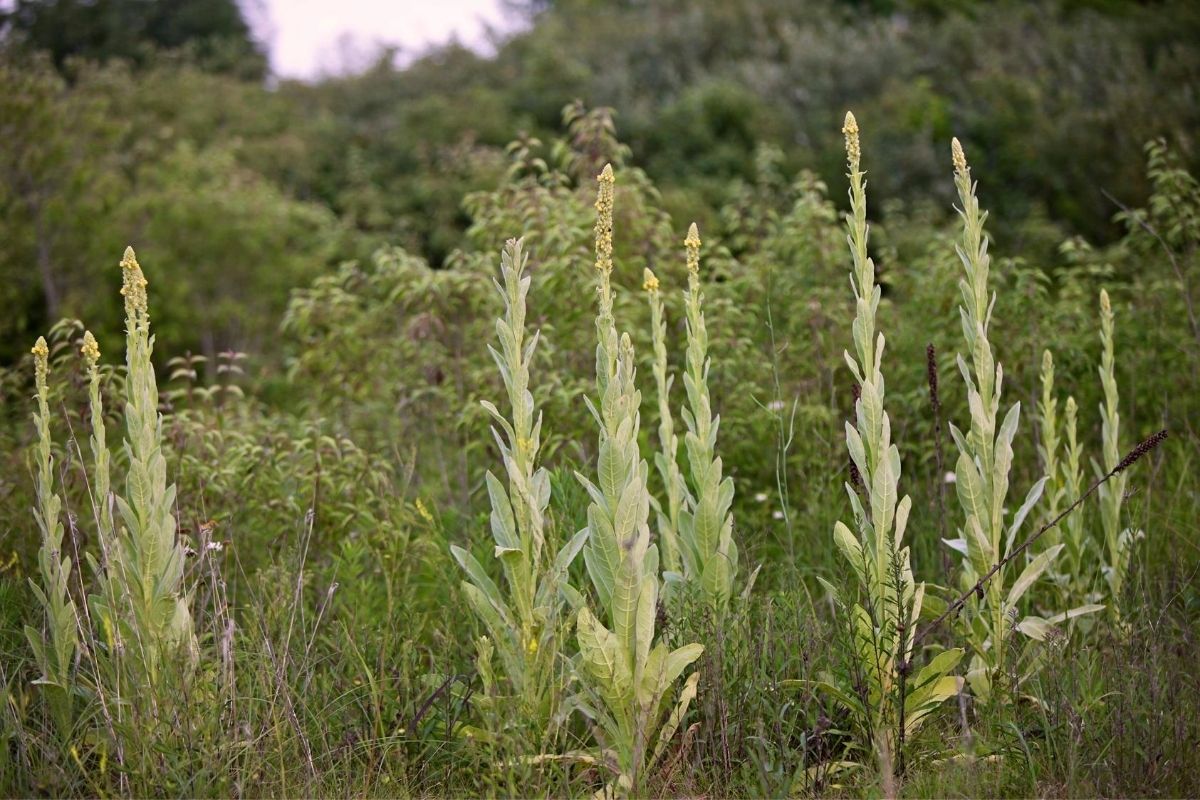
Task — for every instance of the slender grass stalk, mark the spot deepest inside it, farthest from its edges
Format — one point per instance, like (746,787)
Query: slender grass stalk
(54,650)
(524,625)
(666,459)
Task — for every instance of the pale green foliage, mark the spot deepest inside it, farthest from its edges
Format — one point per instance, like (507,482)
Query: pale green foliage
(1077,548)
(665,460)
(55,651)
(887,604)
(626,674)
(145,615)
(1071,572)
(523,624)
(982,472)
(1118,540)
(710,556)
(1048,445)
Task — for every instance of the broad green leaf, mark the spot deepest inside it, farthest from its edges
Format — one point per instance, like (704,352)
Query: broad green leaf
(1033,570)
(667,732)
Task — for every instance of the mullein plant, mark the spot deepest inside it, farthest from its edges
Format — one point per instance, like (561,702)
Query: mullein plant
(1118,540)
(1071,572)
(627,676)
(709,554)
(524,623)
(982,475)
(666,461)
(143,611)
(885,703)
(1049,441)
(54,649)
(1075,557)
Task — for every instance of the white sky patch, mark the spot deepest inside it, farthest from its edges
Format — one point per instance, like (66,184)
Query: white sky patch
(307,38)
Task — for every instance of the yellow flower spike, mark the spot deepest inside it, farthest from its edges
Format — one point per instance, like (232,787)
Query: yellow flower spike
(649,280)
(90,349)
(853,150)
(532,647)
(604,219)
(959,157)
(41,354)
(692,243)
(133,285)
(1105,305)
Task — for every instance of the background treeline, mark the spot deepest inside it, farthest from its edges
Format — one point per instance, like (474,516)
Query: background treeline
(125,121)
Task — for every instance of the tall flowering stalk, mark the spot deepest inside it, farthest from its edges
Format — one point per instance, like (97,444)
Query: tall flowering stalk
(146,567)
(1118,540)
(1075,567)
(885,703)
(524,624)
(101,473)
(626,674)
(1048,446)
(710,556)
(665,460)
(54,650)
(984,463)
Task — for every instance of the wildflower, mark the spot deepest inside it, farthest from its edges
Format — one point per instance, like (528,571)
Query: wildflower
(931,374)
(853,150)
(761,497)
(775,405)
(692,243)
(950,477)
(1142,449)
(777,515)
(423,511)
(604,220)
(649,280)
(40,366)
(958,157)
(90,350)
(133,286)
(532,647)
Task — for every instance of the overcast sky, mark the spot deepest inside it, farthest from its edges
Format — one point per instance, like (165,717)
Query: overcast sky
(308,37)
